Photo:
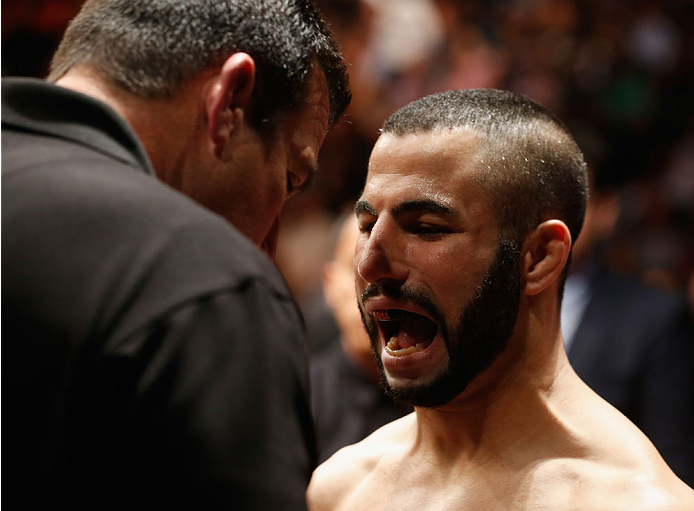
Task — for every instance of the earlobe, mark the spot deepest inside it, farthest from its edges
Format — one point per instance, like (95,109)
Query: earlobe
(228,97)
(545,253)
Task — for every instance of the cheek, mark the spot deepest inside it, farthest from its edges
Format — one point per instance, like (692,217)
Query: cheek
(274,167)
(358,254)
(438,260)
(453,274)
(276,195)
(262,202)
(272,190)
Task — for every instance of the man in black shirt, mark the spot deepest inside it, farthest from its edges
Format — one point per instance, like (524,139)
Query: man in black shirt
(152,354)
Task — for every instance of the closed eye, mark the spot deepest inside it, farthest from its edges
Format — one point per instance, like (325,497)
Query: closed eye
(301,181)
(366,225)
(293,183)
(429,231)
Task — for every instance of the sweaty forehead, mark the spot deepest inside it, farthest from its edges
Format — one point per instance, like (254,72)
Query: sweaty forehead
(435,162)
(428,152)
(437,172)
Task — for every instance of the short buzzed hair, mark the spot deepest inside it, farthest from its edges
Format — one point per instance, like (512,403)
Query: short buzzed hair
(152,48)
(529,162)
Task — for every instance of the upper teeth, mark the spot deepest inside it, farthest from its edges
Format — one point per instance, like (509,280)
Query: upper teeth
(388,314)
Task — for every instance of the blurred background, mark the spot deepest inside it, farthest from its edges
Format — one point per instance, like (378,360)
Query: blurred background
(618,72)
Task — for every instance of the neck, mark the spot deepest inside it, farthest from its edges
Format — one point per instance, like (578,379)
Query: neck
(165,127)
(519,401)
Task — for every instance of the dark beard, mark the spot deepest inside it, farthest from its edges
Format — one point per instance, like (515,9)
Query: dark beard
(481,334)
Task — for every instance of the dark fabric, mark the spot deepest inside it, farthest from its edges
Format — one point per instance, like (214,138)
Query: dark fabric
(347,405)
(635,347)
(151,355)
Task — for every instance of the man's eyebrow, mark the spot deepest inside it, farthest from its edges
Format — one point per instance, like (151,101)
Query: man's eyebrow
(424,206)
(363,206)
(414,206)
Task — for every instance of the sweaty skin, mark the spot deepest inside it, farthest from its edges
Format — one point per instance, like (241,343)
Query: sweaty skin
(526,433)
(570,457)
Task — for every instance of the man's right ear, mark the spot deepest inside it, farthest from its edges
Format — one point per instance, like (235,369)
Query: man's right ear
(229,98)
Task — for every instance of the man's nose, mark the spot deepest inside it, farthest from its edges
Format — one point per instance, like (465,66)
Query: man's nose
(380,259)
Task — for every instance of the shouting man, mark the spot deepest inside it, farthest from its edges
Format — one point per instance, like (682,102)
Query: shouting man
(466,221)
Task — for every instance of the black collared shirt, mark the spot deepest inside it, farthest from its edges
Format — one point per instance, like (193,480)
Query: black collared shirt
(151,355)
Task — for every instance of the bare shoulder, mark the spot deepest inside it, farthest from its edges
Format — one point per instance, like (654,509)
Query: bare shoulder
(639,490)
(601,461)
(587,484)
(658,495)
(616,466)
(657,489)
(334,481)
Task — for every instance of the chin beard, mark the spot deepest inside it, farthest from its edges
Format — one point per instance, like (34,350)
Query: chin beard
(480,335)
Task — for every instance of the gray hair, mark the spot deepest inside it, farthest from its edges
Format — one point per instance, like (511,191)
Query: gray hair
(151,48)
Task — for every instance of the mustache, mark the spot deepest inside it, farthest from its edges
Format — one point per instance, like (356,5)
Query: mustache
(404,294)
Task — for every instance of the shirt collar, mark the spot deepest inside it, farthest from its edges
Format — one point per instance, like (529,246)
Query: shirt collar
(36,105)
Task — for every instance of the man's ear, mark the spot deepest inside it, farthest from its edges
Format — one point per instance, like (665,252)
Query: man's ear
(545,252)
(231,89)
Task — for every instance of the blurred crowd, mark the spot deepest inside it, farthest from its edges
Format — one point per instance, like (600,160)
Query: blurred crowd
(620,73)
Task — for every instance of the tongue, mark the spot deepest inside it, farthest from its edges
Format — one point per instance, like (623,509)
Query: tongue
(415,330)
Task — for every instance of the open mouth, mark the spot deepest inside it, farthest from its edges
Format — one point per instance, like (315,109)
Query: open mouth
(405,332)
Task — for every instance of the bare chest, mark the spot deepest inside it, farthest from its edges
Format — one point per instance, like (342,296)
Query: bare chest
(411,488)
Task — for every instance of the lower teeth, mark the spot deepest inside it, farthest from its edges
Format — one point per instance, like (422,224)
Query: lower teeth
(393,348)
